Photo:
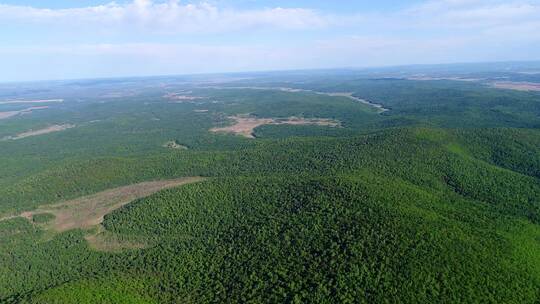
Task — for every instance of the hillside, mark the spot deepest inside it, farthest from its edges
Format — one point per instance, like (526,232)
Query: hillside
(434,199)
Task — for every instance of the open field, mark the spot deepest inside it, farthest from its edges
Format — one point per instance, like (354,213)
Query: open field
(519,86)
(244,124)
(179,98)
(50,129)
(8,114)
(87,212)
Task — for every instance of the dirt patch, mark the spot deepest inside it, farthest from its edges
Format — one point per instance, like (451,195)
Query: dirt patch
(51,129)
(200,111)
(8,114)
(244,125)
(173,144)
(31,101)
(519,86)
(88,211)
(179,98)
(4,115)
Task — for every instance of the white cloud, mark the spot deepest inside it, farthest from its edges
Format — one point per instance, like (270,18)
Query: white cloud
(147,17)
(125,39)
(473,14)
(171,16)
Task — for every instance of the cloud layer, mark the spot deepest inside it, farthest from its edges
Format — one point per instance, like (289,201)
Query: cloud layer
(147,37)
(169,17)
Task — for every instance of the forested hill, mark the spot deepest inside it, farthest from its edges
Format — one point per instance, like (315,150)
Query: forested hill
(279,188)
(404,214)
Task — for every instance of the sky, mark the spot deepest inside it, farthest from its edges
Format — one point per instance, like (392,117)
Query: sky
(66,39)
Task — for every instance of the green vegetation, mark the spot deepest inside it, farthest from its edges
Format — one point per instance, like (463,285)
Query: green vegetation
(42,218)
(109,290)
(436,200)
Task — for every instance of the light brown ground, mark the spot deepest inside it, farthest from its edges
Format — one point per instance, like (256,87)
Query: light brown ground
(9,114)
(31,101)
(176,97)
(174,145)
(51,129)
(244,125)
(519,86)
(87,212)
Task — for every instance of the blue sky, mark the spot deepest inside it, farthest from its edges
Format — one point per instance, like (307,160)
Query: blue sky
(61,39)
(334,6)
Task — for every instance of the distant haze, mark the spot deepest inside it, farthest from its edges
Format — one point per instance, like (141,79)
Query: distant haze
(85,39)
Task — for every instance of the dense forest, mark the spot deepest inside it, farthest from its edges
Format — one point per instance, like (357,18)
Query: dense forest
(436,200)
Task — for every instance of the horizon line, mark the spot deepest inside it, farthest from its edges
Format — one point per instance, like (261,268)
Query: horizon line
(269,71)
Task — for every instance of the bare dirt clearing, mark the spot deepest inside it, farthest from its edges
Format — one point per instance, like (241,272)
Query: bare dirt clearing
(8,114)
(244,125)
(88,211)
(51,129)
(519,86)
(174,145)
(178,98)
